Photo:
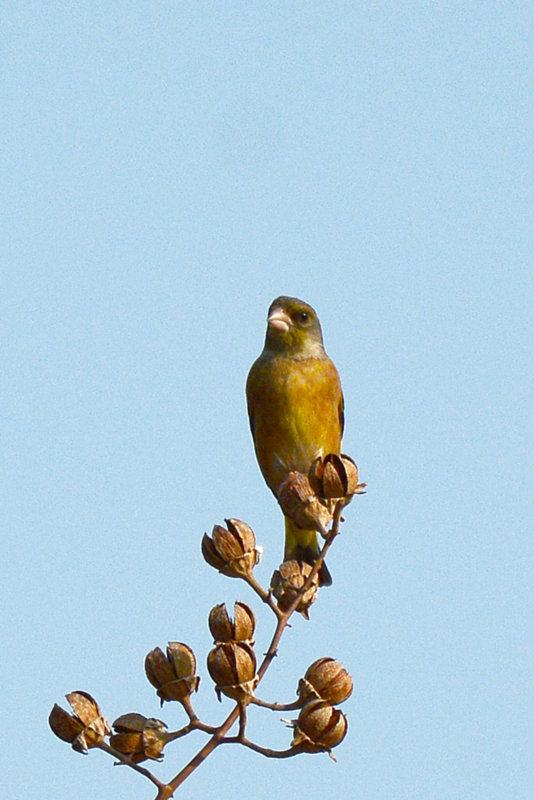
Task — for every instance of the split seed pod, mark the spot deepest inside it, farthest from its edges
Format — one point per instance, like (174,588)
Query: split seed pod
(319,727)
(232,666)
(300,503)
(240,629)
(173,674)
(232,550)
(139,737)
(325,679)
(287,582)
(335,476)
(85,728)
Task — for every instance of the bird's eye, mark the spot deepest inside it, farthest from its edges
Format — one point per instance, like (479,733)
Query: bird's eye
(304,317)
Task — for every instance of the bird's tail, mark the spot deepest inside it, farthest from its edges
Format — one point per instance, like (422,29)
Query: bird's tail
(302,545)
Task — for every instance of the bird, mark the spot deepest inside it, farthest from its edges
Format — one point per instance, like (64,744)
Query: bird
(295,408)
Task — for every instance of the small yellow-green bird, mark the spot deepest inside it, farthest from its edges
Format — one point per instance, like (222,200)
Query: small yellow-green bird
(295,408)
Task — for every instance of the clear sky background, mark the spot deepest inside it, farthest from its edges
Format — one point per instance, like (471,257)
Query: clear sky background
(167,170)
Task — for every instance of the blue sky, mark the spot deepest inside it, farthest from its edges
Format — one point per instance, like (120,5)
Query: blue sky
(168,169)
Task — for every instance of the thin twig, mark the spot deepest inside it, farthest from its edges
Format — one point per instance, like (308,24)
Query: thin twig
(277,706)
(127,761)
(173,735)
(194,725)
(188,708)
(242,719)
(197,725)
(263,594)
(265,751)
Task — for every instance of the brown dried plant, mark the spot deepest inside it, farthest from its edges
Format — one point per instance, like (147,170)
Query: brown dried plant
(232,663)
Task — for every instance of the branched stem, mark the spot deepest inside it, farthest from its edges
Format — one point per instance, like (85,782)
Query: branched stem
(166,791)
(194,725)
(263,594)
(197,725)
(283,617)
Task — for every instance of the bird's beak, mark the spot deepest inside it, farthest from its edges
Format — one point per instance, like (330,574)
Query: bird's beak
(279,320)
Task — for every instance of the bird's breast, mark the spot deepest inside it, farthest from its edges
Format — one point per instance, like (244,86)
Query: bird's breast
(294,409)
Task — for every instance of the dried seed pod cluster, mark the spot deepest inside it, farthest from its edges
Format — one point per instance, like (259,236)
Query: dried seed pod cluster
(139,737)
(172,674)
(232,662)
(232,550)
(313,502)
(320,726)
(309,499)
(85,728)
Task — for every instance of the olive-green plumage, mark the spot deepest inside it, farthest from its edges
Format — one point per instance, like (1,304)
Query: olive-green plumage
(295,407)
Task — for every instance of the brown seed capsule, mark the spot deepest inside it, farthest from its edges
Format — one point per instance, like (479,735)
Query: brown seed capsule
(325,679)
(288,580)
(335,476)
(319,727)
(232,666)
(220,624)
(300,503)
(64,725)
(182,659)
(85,728)
(223,629)
(139,737)
(231,550)
(173,675)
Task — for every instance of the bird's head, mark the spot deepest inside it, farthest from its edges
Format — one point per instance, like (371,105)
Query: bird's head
(293,327)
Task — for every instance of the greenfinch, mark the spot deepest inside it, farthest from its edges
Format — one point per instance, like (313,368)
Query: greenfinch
(295,408)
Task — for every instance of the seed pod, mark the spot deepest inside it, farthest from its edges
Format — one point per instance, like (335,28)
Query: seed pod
(300,503)
(232,550)
(335,476)
(139,737)
(287,582)
(319,727)
(85,728)
(173,675)
(241,629)
(325,679)
(232,666)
